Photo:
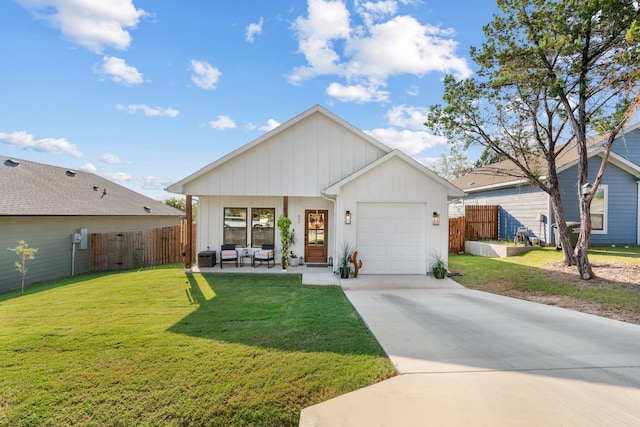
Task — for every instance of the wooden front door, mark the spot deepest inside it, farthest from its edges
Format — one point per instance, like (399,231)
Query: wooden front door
(315,235)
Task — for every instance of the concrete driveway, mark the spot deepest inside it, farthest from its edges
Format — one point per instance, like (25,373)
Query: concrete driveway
(468,358)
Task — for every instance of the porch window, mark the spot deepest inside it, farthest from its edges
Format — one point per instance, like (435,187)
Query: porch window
(599,210)
(235,226)
(262,226)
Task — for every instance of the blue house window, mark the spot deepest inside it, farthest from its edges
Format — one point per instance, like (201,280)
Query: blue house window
(599,207)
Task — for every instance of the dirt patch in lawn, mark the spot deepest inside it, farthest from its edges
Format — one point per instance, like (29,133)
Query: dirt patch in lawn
(624,275)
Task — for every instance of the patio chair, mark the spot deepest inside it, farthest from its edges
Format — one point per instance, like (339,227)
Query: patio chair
(228,253)
(267,253)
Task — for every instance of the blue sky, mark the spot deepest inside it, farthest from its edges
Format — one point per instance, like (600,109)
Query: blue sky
(145,93)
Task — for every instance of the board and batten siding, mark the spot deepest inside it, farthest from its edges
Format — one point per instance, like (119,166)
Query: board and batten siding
(519,207)
(622,207)
(394,182)
(52,237)
(299,161)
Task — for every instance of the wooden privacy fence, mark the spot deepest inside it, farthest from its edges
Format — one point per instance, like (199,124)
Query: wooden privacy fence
(457,235)
(478,223)
(134,249)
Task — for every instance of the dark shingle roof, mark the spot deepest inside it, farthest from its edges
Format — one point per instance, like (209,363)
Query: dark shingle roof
(29,188)
(506,173)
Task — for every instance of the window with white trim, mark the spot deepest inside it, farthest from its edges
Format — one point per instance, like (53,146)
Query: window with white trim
(599,207)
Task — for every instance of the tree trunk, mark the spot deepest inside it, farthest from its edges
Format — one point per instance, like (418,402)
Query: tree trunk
(582,247)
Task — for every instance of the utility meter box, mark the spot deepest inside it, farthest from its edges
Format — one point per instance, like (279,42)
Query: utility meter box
(84,234)
(76,238)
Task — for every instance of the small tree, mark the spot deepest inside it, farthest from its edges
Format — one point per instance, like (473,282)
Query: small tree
(24,252)
(174,202)
(283,225)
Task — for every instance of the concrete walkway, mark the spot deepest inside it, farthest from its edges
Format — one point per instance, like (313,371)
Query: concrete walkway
(468,358)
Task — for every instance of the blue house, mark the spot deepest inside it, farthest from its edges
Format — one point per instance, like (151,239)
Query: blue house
(615,216)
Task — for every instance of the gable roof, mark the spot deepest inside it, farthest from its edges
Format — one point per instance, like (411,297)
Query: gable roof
(452,189)
(316,109)
(506,174)
(35,189)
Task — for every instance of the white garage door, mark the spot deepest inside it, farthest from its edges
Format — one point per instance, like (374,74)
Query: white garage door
(391,238)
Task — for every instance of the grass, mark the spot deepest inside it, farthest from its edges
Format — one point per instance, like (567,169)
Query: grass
(159,347)
(522,273)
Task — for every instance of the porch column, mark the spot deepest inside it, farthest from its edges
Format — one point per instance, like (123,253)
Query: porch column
(189,246)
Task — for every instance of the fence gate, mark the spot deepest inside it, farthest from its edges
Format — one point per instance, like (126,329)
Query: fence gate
(457,235)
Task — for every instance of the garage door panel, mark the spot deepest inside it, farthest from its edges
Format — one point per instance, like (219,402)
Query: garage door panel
(391,237)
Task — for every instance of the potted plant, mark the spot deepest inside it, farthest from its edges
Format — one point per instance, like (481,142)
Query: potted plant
(344,269)
(439,267)
(293,259)
(283,225)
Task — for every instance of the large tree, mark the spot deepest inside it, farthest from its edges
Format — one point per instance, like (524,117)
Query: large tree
(551,74)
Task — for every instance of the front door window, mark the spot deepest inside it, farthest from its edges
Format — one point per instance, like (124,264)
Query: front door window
(315,248)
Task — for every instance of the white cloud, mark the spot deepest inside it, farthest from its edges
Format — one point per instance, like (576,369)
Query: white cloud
(148,111)
(253,29)
(375,11)
(408,117)
(205,76)
(366,55)
(23,140)
(410,142)
(119,71)
(121,177)
(405,46)
(89,23)
(223,122)
(89,167)
(357,93)
(111,159)
(407,131)
(146,182)
(413,90)
(271,124)
(327,22)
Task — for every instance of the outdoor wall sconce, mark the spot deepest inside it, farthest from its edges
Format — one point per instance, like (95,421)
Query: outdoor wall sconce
(347,217)
(436,218)
(585,190)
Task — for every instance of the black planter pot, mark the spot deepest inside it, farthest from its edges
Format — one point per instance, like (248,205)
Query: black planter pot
(439,273)
(344,273)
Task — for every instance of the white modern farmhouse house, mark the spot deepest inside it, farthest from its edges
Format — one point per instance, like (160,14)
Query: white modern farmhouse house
(337,185)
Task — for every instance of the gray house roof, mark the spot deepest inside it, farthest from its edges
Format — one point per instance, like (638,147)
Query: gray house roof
(35,189)
(507,174)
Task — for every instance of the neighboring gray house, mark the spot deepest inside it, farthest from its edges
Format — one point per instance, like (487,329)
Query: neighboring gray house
(614,211)
(47,205)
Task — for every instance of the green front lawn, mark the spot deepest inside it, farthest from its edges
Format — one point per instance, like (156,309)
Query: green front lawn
(524,273)
(159,347)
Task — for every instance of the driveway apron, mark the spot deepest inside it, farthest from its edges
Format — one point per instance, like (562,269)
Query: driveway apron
(468,358)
